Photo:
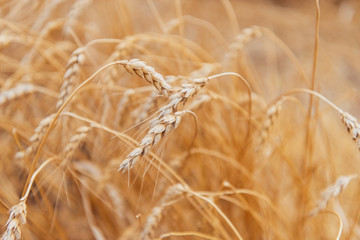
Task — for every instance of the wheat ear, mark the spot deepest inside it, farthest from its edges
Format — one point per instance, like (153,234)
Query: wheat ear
(352,126)
(16,219)
(72,73)
(39,133)
(168,118)
(140,68)
(17,91)
(172,194)
(332,191)
(75,141)
(272,113)
(245,36)
(18,212)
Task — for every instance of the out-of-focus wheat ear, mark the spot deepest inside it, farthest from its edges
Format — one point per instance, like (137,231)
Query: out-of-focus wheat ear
(118,203)
(158,130)
(121,107)
(39,133)
(121,51)
(75,141)
(332,191)
(96,231)
(140,68)
(172,194)
(16,219)
(18,91)
(352,126)
(151,103)
(6,38)
(76,10)
(271,114)
(244,37)
(72,73)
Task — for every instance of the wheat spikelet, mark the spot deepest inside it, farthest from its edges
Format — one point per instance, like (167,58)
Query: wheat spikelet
(332,191)
(73,69)
(17,91)
(168,118)
(352,126)
(172,194)
(16,219)
(148,73)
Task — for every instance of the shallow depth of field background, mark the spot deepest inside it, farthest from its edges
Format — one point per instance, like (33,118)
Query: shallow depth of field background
(257,176)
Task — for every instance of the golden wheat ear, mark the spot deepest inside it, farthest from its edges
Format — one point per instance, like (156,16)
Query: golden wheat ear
(353,127)
(72,73)
(140,68)
(167,119)
(173,194)
(332,191)
(16,219)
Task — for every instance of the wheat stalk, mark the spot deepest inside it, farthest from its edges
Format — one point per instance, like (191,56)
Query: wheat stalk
(18,212)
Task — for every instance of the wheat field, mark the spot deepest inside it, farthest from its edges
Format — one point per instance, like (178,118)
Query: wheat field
(202,119)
